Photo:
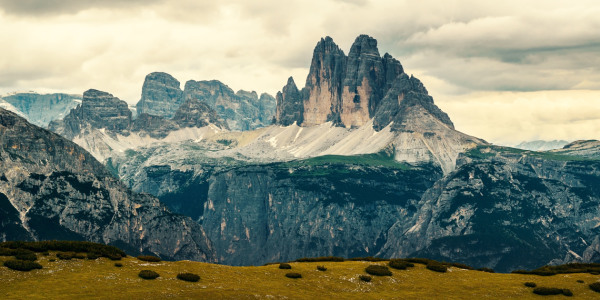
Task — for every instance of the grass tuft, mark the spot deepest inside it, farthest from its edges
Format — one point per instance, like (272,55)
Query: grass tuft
(321,268)
(365,278)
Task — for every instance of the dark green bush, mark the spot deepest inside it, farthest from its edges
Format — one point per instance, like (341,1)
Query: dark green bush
(7,252)
(148,274)
(368,258)
(65,255)
(45,253)
(595,286)
(23,254)
(580,281)
(378,270)
(417,260)
(437,267)
(365,278)
(93,256)
(591,268)
(285,266)
(149,258)
(51,260)
(293,275)
(320,259)
(22,265)
(79,255)
(488,270)
(191,277)
(530,284)
(321,268)
(551,291)
(67,246)
(118,265)
(400,264)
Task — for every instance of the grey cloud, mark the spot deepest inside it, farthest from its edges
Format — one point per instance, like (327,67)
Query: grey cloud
(51,7)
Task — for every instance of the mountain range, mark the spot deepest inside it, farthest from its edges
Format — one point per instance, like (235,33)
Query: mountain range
(358,162)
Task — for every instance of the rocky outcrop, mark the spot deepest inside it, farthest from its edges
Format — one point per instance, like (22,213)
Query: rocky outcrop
(41,109)
(195,113)
(506,210)
(242,110)
(161,95)
(99,110)
(346,90)
(50,188)
(290,107)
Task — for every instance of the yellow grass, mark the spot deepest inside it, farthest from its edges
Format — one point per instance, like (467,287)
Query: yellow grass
(100,279)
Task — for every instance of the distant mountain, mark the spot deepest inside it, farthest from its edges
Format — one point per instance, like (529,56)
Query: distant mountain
(50,188)
(589,149)
(162,96)
(41,109)
(540,145)
(102,116)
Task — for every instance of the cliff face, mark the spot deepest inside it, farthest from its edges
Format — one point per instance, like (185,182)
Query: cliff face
(351,90)
(242,110)
(41,109)
(98,110)
(50,188)
(506,211)
(161,95)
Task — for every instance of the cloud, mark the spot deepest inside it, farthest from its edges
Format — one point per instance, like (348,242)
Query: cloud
(507,118)
(52,7)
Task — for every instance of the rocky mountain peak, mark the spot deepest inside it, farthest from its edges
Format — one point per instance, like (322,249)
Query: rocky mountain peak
(195,113)
(350,90)
(161,95)
(289,105)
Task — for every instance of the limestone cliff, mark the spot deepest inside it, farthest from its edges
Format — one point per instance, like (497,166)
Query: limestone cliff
(161,95)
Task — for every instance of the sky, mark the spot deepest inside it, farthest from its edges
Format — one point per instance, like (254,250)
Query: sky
(505,71)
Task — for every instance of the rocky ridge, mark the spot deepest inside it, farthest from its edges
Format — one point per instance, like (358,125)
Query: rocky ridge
(102,111)
(50,188)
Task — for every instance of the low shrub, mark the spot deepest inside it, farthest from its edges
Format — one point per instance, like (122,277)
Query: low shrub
(400,264)
(22,265)
(65,255)
(118,265)
(580,281)
(595,287)
(26,255)
(368,258)
(365,278)
(378,270)
(530,284)
(545,291)
(321,268)
(488,270)
(93,256)
(45,253)
(149,258)
(191,277)
(7,252)
(320,259)
(79,255)
(595,273)
(293,275)
(285,266)
(66,246)
(592,268)
(437,267)
(148,274)
(51,260)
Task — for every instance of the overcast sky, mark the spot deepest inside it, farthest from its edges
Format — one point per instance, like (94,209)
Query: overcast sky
(505,71)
